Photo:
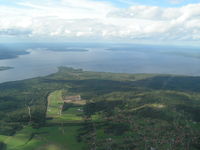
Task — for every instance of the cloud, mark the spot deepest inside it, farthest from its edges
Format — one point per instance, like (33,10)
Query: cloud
(87,19)
(15,32)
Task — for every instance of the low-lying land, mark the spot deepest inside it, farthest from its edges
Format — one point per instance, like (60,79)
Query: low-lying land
(10,51)
(80,110)
(5,68)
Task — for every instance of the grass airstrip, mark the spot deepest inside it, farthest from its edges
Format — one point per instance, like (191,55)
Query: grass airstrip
(59,133)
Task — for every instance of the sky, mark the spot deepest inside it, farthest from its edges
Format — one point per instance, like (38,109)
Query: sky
(127,21)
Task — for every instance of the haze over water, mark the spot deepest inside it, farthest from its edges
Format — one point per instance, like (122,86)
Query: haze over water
(40,62)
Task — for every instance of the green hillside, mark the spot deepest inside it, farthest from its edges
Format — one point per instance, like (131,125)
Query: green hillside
(116,112)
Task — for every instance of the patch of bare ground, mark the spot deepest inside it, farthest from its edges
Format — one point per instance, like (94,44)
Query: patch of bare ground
(74,100)
(51,146)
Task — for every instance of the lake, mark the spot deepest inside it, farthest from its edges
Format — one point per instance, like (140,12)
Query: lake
(41,62)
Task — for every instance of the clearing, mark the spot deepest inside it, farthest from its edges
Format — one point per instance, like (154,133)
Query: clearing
(59,133)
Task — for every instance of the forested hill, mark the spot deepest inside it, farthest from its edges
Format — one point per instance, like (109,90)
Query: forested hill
(11,52)
(116,111)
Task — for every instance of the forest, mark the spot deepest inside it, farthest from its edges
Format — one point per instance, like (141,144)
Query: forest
(116,112)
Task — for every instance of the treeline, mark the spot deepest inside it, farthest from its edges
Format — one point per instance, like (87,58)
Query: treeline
(23,103)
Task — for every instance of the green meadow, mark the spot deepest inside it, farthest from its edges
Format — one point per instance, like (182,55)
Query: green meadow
(59,133)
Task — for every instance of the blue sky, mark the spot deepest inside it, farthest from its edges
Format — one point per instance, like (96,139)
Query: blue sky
(161,3)
(125,3)
(150,21)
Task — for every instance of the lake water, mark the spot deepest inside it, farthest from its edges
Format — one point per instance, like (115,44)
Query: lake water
(44,62)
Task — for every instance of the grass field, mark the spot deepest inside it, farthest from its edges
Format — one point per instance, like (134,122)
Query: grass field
(55,104)
(59,134)
(54,110)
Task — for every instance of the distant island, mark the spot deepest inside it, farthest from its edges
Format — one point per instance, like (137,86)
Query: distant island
(67,50)
(9,54)
(5,68)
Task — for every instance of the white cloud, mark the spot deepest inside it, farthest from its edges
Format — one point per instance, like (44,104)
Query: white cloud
(176,1)
(89,19)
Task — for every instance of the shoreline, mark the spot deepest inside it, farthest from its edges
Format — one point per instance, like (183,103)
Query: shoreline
(3,68)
